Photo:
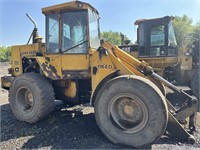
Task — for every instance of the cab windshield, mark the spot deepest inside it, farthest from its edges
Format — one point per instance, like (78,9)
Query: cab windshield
(74,31)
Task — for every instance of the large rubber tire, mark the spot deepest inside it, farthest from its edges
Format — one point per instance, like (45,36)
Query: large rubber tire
(195,84)
(131,110)
(31,97)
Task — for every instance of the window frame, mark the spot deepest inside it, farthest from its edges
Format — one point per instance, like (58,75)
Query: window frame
(61,33)
(147,40)
(46,24)
(98,27)
(87,32)
(144,35)
(160,47)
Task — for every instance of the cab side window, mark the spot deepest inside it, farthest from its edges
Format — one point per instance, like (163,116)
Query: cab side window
(52,36)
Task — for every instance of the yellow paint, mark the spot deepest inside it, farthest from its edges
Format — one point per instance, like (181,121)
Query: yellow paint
(160,63)
(104,67)
(18,52)
(118,60)
(157,63)
(55,60)
(75,61)
(74,5)
(70,91)
(186,61)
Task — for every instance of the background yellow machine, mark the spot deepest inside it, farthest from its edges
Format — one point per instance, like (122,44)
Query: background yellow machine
(156,44)
(127,95)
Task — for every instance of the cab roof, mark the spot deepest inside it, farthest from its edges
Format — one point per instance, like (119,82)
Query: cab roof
(167,18)
(69,6)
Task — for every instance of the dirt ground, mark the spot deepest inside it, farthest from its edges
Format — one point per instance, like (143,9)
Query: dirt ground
(73,128)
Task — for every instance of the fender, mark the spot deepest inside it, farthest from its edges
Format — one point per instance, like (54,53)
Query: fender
(102,82)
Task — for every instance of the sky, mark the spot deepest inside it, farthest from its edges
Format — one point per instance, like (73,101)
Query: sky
(116,15)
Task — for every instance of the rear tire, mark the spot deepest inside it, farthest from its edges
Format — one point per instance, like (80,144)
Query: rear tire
(31,97)
(131,110)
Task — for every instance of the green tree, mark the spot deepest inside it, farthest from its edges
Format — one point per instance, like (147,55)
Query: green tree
(182,27)
(5,53)
(197,29)
(112,37)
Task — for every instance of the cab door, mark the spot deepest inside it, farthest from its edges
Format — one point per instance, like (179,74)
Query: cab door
(153,35)
(74,45)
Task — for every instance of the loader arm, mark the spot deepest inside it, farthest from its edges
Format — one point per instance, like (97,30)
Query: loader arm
(140,68)
(136,66)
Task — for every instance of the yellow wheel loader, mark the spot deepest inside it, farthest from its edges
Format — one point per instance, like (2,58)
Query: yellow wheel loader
(127,95)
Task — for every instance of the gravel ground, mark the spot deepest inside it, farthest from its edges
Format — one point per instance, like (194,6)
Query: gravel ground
(71,128)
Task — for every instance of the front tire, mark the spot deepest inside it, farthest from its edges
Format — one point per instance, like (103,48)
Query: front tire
(131,110)
(31,97)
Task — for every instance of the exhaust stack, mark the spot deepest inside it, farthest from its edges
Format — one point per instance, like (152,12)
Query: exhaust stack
(35,33)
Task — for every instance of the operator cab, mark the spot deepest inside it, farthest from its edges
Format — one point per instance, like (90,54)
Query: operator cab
(156,37)
(71,28)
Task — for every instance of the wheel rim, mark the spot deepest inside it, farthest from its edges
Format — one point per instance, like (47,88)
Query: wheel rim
(25,100)
(128,112)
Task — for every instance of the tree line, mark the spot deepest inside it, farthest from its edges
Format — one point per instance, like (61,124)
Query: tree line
(183,25)
(5,53)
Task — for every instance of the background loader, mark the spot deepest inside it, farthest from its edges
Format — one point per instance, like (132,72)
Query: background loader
(156,44)
(73,66)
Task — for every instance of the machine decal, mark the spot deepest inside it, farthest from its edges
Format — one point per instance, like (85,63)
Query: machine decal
(104,66)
